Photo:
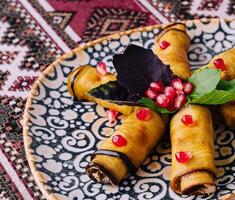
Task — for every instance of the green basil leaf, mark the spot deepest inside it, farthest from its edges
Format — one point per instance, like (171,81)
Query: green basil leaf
(152,105)
(226,85)
(215,97)
(204,80)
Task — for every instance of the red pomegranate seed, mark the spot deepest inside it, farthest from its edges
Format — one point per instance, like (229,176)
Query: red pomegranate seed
(171,107)
(180,100)
(157,86)
(187,120)
(111,115)
(101,68)
(183,156)
(170,92)
(143,114)
(188,87)
(219,64)
(119,141)
(179,92)
(164,44)
(162,100)
(151,94)
(177,84)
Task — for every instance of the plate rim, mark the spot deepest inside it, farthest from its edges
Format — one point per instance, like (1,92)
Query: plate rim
(26,115)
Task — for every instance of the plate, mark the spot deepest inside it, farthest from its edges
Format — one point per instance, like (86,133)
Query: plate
(60,133)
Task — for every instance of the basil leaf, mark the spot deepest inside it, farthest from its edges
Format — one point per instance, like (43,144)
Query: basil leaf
(215,97)
(226,85)
(204,80)
(152,105)
(137,67)
(188,101)
(113,92)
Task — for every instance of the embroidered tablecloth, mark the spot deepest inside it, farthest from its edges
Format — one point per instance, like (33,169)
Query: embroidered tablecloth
(33,33)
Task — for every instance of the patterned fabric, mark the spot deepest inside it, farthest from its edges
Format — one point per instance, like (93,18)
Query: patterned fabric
(34,33)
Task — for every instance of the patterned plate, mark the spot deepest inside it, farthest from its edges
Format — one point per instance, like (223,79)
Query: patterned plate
(60,133)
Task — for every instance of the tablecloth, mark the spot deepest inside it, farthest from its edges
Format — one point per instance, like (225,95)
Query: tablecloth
(33,33)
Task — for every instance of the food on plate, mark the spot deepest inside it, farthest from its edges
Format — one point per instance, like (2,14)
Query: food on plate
(116,156)
(85,78)
(192,140)
(151,84)
(172,47)
(127,147)
(150,88)
(225,61)
(136,69)
(152,79)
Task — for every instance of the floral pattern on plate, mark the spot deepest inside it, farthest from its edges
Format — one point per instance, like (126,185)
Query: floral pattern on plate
(60,133)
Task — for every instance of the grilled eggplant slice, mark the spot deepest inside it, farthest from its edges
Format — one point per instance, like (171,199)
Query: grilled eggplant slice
(85,78)
(228,59)
(196,176)
(113,161)
(176,53)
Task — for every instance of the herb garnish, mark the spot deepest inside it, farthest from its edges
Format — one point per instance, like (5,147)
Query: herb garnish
(209,89)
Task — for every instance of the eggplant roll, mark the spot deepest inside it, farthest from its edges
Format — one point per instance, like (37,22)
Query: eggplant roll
(85,78)
(228,111)
(171,46)
(113,161)
(228,57)
(196,176)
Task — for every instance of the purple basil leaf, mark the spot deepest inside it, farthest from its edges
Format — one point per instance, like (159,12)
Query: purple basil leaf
(137,67)
(114,93)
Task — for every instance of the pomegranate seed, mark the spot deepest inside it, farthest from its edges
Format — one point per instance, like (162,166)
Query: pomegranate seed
(162,100)
(219,64)
(177,84)
(143,114)
(188,88)
(179,92)
(170,92)
(157,86)
(151,94)
(111,115)
(164,44)
(101,68)
(180,100)
(187,120)
(119,141)
(183,156)
(171,107)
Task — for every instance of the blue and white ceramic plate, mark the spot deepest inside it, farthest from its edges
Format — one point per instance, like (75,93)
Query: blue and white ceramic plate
(60,133)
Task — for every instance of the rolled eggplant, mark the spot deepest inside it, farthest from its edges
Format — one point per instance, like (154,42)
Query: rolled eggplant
(126,149)
(224,60)
(228,111)
(85,78)
(172,45)
(193,136)
(227,61)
